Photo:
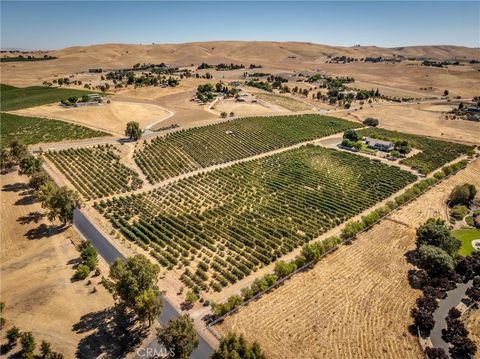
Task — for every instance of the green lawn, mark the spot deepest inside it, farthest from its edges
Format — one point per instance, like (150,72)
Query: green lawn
(466,236)
(31,130)
(16,98)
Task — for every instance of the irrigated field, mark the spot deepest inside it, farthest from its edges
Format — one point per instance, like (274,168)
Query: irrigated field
(15,98)
(224,224)
(31,130)
(95,172)
(356,302)
(184,151)
(434,153)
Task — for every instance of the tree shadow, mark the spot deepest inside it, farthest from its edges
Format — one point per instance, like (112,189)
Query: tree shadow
(31,217)
(44,231)
(114,334)
(15,187)
(26,200)
(412,257)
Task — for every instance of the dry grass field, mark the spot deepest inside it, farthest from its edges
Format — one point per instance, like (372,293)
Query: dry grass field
(248,108)
(473,326)
(36,269)
(421,120)
(111,117)
(287,102)
(356,302)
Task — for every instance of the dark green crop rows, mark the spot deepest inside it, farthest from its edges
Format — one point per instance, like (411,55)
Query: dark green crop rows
(31,130)
(15,98)
(435,153)
(95,172)
(222,225)
(184,151)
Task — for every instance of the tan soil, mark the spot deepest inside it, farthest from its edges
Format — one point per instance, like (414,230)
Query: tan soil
(356,302)
(36,274)
(111,117)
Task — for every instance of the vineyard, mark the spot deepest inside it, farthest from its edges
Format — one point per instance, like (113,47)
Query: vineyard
(435,153)
(222,225)
(185,151)
(95,172)
(31,130)
(15,98)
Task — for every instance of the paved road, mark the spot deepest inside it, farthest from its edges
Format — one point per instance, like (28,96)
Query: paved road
(106,249)
(453,299)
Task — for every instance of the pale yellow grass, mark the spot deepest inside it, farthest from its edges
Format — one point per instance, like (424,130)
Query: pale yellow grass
(287,102)
(412,119)
(356,302)
(247,108)
(473,325)
(111,117)
(36,274)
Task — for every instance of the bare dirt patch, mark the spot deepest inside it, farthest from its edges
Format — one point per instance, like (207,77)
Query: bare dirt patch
(356,302)
(111,117)
(36,268)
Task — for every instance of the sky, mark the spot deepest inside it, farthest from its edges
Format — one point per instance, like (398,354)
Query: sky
(44,25)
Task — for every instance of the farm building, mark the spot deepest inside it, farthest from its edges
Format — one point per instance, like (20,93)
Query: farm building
(379,144)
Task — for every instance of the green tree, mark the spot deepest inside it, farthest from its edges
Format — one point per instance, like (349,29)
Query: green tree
(282,268)
(223,115)
(434,232)
(37,180)
(133,131)
(60,202)
(445,93)
(27,341)
(82,272)
(370,121)
(148,305)
(179,337)
(45,349)
(89,254)
(236,347)
(435,260)
(18,150)
(12,336)
(131,283)
(191,297)
(30,165)
(351,135)
(463,194)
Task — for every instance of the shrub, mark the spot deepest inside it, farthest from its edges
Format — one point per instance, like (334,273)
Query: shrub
(82,272)
(459,212)
(369,121)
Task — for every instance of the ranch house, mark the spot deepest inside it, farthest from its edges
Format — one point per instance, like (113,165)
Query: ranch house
(385,146)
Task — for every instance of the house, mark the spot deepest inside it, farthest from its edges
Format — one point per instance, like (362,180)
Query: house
(94,97)
(385,146)
(235,83)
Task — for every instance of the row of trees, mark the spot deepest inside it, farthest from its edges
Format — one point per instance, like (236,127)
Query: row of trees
(60,202)
(440,270)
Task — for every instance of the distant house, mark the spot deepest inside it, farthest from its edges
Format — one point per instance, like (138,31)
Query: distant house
(240,99)
(385,146)
(235,83)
